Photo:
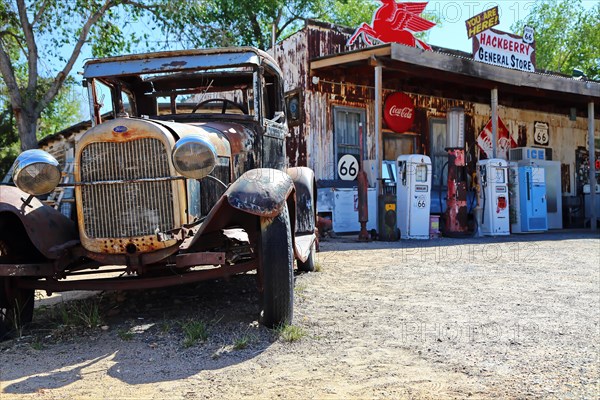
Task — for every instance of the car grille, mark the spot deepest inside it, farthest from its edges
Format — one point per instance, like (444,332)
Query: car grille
(126,209)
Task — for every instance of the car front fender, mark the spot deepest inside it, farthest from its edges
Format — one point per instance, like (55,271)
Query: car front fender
(262,192)
(306,205)
(48,230)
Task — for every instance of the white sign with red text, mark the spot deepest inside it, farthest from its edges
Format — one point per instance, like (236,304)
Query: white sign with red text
(504,49)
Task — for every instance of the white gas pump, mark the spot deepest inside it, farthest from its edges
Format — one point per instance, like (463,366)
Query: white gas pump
(493,197)
(413,195)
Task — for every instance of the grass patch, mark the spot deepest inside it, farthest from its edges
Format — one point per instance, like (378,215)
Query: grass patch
(164,327)
(81,314)
(194,331)
(125,334)
(290,333)
(242,342)
(300,288)
(37,345)
(318,266)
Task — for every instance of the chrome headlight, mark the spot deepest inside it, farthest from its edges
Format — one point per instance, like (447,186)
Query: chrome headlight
(194,156)
(36,172)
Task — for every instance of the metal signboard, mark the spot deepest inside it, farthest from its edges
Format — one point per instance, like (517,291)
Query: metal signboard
(504,49)
(395,22)
(541,133)
(482,22)
(399,112)
(505,140)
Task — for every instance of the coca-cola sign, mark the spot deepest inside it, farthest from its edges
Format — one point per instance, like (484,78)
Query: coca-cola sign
(399,112)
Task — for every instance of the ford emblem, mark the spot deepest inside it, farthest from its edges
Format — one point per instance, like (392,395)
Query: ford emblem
(120,129)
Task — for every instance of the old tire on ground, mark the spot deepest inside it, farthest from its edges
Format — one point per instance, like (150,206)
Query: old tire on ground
(309,264)
(276,257)
(16,305)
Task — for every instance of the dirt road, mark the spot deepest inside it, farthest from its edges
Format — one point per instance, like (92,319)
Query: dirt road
(511,318)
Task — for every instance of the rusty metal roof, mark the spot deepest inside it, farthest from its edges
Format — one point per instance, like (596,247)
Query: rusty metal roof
(442,61)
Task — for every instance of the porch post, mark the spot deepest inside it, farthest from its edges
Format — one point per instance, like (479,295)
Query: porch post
(494,121)
(378,116)
(592,158)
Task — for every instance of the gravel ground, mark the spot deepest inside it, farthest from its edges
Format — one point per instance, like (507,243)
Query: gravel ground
(514,317)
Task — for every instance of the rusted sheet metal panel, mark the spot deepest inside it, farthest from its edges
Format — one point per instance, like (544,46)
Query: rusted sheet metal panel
(47,228)
(126,283)
(292,57)
(326,39)
(205,258)
(191,59)
(320,135)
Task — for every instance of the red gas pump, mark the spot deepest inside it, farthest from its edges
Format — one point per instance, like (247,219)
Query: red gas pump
(456,215)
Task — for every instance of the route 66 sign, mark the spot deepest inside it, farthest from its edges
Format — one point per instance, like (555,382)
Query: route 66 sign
(528,35)
(541,133)
(420,202)
(348,167)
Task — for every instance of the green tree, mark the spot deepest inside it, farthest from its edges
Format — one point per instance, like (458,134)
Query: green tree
(58,30)
(249,22)
(566,35)
(62,112)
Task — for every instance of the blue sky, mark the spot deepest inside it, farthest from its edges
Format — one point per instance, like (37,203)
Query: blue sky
(453,34)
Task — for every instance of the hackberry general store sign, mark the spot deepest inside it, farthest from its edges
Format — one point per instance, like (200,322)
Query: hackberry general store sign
(504,49)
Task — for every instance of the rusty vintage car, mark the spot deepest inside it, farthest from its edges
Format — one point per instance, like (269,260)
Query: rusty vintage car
(187,182)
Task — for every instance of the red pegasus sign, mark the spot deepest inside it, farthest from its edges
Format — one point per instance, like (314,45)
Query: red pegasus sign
(395,22)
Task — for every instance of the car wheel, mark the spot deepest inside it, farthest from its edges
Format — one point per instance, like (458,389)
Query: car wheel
(276,259)
(309,264)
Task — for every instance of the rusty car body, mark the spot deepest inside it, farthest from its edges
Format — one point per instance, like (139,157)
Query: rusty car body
(187,182)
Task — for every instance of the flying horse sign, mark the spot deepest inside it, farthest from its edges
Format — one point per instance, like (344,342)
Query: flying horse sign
(395,22)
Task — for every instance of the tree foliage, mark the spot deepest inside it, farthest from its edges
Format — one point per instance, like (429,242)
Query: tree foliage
(567,36)
(34,32)
(62,112)
(249,22)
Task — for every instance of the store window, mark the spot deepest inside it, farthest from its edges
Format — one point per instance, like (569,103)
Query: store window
(346,131)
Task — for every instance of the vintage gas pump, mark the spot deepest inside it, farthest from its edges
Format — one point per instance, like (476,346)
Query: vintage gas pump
(456,217)
(388,220)
(493,197)
(414,195)
(528,205)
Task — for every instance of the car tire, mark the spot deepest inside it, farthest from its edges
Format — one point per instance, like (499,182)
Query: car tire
(16,305)
(309,264)
(276,257)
